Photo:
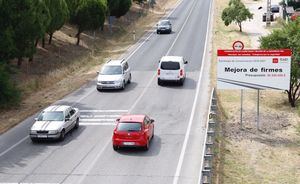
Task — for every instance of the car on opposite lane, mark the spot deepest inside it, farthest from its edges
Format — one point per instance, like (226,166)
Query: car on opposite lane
(171,69)
(164,26)
(114,74)
(133,131)
(55,122)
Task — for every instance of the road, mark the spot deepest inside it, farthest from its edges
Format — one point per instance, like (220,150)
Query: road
(180,113)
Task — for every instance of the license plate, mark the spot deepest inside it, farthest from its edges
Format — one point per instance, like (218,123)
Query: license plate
(128,143)
(42,136)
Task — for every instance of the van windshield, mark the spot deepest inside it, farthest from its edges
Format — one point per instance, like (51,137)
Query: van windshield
(169,65)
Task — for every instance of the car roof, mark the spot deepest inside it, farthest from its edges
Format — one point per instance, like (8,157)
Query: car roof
(171,58)
(115,62)
(53,108)
(132,118)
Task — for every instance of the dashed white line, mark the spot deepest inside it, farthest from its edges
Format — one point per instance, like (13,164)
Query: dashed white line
(97,124)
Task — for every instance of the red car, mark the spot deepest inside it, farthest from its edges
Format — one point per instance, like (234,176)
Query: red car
(133,131)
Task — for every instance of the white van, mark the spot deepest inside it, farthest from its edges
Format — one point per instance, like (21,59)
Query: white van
(171,69)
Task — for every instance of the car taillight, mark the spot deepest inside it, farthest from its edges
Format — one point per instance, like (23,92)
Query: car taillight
(181,72)
(158,72)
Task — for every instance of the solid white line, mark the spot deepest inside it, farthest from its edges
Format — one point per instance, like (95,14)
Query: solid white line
(13,146)
(207,119)
(99,116)
(188,131)
(97,124)
(97,120)
(103,110)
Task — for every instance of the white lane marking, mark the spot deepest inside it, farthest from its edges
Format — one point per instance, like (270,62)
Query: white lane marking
(97,120)
(91,165)
(207,119)
(188,131)
(103,110)
(96,124)
(99,116)
(13,146)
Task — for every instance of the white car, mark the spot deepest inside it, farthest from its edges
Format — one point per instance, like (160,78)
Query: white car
(55,122)
(171,69)
(114,74)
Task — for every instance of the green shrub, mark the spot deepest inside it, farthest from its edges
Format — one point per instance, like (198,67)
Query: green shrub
(10,96)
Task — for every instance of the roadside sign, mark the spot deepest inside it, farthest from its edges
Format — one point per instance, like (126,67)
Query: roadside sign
(254,69)
(238,45)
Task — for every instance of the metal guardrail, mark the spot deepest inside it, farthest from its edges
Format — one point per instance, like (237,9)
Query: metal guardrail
(208,155)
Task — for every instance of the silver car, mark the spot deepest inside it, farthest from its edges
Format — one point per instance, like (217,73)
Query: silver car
(164,26)
(114,74)
(55,122)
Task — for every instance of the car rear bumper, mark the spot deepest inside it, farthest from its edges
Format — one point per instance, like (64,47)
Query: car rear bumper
(171,79)
(129,143)
(164,30)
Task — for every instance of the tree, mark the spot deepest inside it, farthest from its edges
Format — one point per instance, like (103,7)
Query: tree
(90,15)
(236,12)
(9,94)
(29,21)
(118,8)
(7,47)
(287,38)
(59,13)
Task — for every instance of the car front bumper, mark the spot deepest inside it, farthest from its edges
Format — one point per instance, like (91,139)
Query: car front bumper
(44,136)
(109,86)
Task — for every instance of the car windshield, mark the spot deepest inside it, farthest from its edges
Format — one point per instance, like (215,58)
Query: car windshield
(129,126)
(51,116)
(169,65)
(164,23)
(111,70)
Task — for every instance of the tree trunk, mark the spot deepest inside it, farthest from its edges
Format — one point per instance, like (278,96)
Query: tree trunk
(20,59)
(78,37)
(36,42)
(240,25)
(43,42)
(30,59)
(50,38)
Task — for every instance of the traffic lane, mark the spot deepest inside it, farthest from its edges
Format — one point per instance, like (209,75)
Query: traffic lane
(49,161)
(159,163)
(192,39)
(160,44)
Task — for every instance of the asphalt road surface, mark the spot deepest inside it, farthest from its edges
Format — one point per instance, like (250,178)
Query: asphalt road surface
(180,113)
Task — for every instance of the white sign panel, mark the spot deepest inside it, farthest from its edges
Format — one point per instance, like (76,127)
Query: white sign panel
(254,69)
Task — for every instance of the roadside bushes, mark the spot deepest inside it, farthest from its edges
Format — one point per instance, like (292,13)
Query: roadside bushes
(9,94)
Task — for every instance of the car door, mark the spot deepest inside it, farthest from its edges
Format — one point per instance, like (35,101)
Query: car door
(73,117)
(126,71)
(68,120)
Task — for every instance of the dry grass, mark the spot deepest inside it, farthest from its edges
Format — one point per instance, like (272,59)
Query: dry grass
(63,67)
(246,156)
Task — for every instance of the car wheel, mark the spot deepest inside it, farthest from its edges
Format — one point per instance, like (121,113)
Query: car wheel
(181,82)
(62,135)
(123,85)
(129,80)
(146,147)
(115,148)
(99,89)
(157,32)
(77,123)
(34,140)
(159,82)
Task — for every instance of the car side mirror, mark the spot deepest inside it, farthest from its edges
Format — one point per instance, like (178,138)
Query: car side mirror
(35,119)
(118,119)
(152,120)
(185,62)
(98,72)
(159,61)
(67,119)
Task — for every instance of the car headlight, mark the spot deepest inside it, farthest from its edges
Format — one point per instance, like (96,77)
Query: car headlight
(52,131)
(33,131)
